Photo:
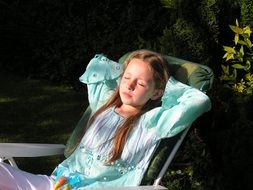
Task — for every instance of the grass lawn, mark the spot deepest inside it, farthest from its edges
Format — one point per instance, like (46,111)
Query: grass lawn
(37,111)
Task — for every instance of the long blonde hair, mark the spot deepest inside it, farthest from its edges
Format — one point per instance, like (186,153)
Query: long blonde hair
(160,76)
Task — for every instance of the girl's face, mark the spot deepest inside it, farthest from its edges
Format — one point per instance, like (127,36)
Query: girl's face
(137,85)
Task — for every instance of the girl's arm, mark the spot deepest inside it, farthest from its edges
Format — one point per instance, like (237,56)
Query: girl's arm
(181,105)
(102,77)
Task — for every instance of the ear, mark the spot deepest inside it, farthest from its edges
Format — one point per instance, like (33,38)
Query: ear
(157,94)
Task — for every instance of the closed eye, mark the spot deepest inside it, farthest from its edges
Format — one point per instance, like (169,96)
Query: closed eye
(143,85)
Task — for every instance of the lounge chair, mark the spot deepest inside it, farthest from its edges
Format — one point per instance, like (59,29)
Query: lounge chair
(193,74)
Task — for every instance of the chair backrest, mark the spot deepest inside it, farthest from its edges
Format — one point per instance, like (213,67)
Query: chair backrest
(193,74)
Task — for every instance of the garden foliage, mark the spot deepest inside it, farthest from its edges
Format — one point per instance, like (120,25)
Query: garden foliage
(240,58)
(54,40)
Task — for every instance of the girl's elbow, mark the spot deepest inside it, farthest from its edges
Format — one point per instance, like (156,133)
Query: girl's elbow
(205,103)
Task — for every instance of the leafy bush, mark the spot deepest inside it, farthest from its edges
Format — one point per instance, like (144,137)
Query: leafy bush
(182,37)
(247,12)
(240,58)
(55,40)
(192,31)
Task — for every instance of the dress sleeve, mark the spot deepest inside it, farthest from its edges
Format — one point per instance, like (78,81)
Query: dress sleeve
(102,76)
(181,105)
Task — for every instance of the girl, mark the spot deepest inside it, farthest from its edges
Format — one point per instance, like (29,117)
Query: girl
(125,129)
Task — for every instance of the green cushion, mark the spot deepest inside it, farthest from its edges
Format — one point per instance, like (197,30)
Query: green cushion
(193,74)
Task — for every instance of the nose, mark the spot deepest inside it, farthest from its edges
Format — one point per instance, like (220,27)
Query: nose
(130,85)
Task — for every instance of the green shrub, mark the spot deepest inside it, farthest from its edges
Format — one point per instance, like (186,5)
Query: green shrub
(240,58)
(247,12)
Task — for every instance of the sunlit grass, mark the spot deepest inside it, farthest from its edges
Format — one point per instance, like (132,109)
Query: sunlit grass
(38,98)
(59,89)
(7,99)
(48,123)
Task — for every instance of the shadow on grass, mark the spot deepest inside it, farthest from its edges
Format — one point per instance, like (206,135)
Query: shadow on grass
(36,111)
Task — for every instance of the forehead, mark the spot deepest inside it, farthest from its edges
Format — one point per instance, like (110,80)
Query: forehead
(139,68)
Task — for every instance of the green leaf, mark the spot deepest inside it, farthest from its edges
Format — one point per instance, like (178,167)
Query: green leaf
(236,29)
(241,51)
(233,28)
(248,42)
(247,30)
(229,56)
(242,42)
(238,66)
(234,75)
(229,49)
(225,69)
(247,65)
(169,3)
(249,91)
(236,22)
(236,38)
(249,77)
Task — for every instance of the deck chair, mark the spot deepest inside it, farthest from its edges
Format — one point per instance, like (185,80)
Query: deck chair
(193,74)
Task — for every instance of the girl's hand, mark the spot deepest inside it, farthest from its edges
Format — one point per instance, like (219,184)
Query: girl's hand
(61,182)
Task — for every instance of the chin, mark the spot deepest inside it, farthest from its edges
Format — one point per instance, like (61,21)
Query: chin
(126,102)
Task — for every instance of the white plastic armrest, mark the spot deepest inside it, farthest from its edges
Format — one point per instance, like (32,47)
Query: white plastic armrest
(10,150)
(149,187)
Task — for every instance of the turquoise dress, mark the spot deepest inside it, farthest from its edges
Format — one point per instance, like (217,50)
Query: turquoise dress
(87,167)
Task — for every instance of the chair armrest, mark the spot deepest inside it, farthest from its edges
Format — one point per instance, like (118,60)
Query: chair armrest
(148,187)
(30,149)
(10,150)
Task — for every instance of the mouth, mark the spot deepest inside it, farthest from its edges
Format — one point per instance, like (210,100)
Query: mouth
(126,94)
